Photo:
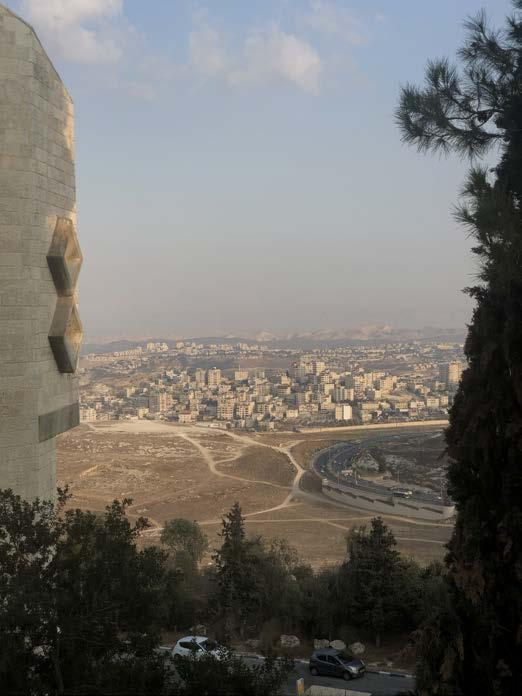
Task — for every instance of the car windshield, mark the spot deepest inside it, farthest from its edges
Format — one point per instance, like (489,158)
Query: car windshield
(345,657)
(189,645)
(209,645)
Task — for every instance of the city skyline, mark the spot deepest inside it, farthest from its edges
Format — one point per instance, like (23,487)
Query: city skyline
(251,176)
(252,386)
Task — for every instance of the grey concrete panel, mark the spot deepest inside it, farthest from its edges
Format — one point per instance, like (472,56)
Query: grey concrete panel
(66,335)
(64,257)
(59,421)
(39,262)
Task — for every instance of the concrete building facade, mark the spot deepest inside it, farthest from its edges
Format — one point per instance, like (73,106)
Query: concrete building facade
(343,412)
(40,330)
(450,373)
(214,377)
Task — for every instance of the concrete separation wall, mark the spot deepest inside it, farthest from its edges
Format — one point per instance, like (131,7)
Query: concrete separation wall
(329,691)
(377,426)
(356,492)
(386,506)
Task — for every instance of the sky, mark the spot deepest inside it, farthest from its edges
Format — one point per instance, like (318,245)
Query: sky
(239,168)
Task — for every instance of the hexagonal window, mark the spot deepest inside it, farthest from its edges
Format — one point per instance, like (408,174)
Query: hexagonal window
(64,257)
(66,335)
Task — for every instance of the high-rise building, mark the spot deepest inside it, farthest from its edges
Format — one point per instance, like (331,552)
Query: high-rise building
(450,373)
(225,408)
(87,414)
(40,259)
(341,393)
(343,412)
(386,383)
(318,367)
(200,377)
(159,401)
(358,382)
(214,377)
(300,371)
(368,380)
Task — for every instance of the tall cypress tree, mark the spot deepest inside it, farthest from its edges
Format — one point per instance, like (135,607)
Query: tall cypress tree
(236,563)
(371,581)
(470,110)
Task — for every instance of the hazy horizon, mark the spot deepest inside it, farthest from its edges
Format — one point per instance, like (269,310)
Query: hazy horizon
(239,168)
(355,334)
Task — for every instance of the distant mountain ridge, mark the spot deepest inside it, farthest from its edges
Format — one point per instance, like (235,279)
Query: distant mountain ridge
(304,340)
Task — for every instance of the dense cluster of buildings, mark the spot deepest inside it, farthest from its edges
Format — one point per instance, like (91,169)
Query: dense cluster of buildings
(323,387)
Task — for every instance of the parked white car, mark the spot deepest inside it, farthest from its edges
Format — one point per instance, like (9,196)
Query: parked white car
(194,646)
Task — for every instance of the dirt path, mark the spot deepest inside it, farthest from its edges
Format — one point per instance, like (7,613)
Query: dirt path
(295,490)
(187,434)
(211,463)
(296,493)
(328,521)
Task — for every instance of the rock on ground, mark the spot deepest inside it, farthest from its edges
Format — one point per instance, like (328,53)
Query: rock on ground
(338,644)
(289,641)
(357,648)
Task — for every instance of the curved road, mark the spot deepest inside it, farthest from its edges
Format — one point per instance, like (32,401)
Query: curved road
(329,463)
(295,492)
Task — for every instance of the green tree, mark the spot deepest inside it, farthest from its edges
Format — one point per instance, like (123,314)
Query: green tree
(28,535)
(79,600)
(280,575)
(374,582)
(237,561)
(183,536)
(435,645)
(230,676)
(187,544)
(320,609)
(472,110)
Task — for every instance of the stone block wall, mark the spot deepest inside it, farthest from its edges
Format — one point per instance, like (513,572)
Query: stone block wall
(38,395)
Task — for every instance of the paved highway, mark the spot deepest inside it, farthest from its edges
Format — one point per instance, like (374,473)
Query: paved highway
(330,462)
(375,683)
(372,683)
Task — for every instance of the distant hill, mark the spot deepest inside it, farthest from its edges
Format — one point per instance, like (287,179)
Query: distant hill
(380,333)
(327,338)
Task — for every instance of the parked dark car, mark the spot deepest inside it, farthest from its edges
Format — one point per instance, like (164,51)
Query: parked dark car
(336,663)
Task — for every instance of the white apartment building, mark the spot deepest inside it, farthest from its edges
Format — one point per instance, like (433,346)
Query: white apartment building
(159,402)
(374,394)
(301,370)
(200,377)
(358,382)
(245,410)
(87,414)
(318,367)
(225,408)
(214,377)
(386,384)
(343,412)
(450,373)
(432,402)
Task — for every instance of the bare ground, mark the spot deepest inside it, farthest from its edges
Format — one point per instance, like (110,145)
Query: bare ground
(187,471)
